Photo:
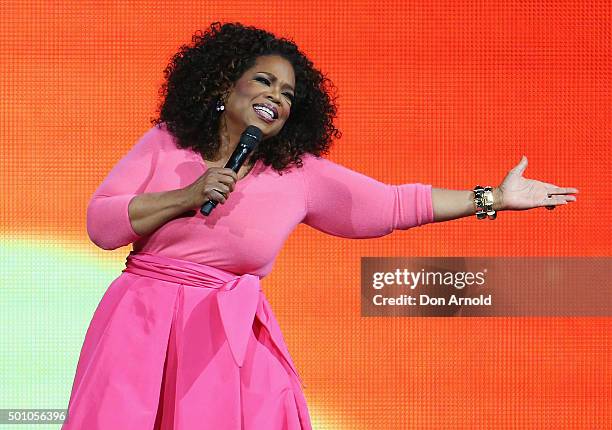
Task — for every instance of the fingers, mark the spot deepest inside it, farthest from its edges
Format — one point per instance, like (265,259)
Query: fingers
(560,190)
(218,196)
(222,189)
(218,186)
(227,180)
(226,176)
(224,172)
(521,166)
(554,200)
(555,189)
(229,172)
(558,195)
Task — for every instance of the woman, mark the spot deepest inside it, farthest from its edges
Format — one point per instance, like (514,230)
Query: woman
(184,338)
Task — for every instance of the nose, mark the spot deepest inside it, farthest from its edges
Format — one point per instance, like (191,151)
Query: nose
(274,96)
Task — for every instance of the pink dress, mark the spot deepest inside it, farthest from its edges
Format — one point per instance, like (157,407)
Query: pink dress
(184,338)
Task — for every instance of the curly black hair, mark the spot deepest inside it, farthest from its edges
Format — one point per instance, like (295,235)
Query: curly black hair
(197,76)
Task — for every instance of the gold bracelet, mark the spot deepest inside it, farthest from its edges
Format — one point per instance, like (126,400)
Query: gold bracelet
(483,199)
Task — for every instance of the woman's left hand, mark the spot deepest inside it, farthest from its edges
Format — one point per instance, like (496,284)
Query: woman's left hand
(519,193)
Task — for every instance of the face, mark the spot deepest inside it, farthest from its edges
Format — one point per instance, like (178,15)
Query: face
(261,97)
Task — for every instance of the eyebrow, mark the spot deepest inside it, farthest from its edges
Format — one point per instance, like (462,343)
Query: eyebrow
(274,79)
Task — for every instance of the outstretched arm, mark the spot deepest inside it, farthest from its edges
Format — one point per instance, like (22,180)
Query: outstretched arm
(346,203)
(514,193)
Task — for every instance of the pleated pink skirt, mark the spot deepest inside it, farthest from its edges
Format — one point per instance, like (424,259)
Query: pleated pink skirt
(177,345)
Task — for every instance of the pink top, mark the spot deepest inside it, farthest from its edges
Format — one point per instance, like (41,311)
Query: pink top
(245,234)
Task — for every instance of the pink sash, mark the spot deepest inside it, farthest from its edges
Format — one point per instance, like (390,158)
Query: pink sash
(239,298)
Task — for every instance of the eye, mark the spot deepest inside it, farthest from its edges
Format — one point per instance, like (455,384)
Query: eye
(268,83)
(262,79)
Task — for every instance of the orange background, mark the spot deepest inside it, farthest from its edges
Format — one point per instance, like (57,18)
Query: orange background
(447,93)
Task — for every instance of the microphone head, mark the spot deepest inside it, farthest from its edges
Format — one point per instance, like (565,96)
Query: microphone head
(251,136)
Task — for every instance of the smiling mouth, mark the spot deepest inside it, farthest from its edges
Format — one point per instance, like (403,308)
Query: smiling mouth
(265,113)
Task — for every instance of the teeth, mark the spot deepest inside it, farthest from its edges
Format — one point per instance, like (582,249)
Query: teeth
(265,110)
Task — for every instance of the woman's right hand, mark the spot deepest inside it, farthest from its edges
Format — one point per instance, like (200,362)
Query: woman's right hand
(215,184)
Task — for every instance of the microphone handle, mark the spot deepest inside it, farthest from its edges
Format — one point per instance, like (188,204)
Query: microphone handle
(207,207)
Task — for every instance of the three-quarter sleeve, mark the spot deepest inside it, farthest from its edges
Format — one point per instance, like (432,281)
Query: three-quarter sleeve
(108,222)
(346,203)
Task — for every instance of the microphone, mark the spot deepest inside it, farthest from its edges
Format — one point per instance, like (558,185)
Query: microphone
(248,141)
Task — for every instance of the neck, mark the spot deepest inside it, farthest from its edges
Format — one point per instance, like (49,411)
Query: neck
(229,137)
(229,141)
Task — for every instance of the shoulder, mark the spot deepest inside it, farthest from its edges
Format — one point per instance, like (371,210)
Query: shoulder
(156,138)
(318,166)
(312,163)
(311,159)
(319,173)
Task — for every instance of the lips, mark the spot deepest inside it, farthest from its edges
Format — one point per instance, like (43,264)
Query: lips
(266,111)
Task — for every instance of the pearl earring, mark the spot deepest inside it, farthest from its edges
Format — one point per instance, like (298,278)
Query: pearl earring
(220,105)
